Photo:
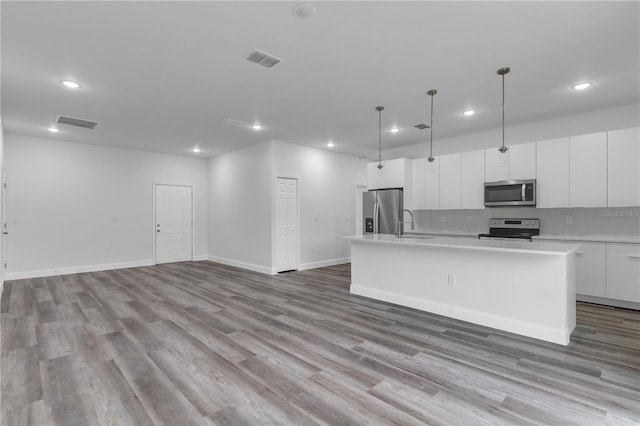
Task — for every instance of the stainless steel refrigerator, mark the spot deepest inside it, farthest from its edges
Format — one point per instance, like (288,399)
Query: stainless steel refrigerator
(381,210)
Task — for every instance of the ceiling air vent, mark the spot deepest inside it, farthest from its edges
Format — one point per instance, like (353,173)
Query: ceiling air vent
(70,121)
(422,126)
(262,58)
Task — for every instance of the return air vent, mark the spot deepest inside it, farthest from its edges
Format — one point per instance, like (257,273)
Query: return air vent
(262,58)
(85,124)
(422,126)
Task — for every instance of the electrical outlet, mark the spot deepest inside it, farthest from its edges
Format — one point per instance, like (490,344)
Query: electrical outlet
(443,219)
(313,249)
(452,279)
(468,219)
(107,249)
(569,220)
(316,219)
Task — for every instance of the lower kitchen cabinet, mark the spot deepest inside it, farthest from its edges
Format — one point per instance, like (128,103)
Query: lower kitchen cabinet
(623,272)
(591,270)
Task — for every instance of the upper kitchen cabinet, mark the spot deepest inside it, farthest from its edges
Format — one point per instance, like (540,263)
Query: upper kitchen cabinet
(552,173)
(588,170)
(623,180)
(519,162)
(432,183)
(375,176)
(450,181)
(472,180)
(394,174)
(418,184)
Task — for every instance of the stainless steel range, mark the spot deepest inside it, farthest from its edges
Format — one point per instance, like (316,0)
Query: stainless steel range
(504,228)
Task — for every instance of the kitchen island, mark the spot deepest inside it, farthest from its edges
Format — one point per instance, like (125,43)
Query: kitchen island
(523,287)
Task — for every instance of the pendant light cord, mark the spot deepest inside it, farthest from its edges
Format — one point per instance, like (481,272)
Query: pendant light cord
(431,159)
(502,71)
(379,109)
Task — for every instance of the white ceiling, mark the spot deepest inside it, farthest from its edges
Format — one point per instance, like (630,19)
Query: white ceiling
(161,76)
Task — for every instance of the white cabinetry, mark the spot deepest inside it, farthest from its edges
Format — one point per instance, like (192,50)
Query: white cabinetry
(552,173)
(418,184)
(432,183)
(519,162)
(623,149)
(375,176)
(496,165)
(472,180)
(588,170)
(590,269)
(522,161)
(394,174)
(450,181)
(623,272)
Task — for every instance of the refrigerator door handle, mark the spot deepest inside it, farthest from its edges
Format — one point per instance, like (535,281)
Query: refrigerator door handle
(376,208)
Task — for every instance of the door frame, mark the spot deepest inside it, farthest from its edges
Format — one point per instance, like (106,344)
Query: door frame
(359,189)
(193,216)
(274,223)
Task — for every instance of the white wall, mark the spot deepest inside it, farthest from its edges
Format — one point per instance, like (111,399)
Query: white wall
(2,270)
(326,186)
(67,202)
(598,121)
(240,208)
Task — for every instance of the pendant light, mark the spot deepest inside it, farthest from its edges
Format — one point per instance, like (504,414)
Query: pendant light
(431,159)
(503,71)
(379,109)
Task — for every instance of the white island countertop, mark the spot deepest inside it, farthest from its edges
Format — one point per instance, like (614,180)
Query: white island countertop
(528,247)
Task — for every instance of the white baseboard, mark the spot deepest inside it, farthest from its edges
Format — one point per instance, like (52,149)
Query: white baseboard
(609,302)
(77,269)
(323,263)
(244,265)
(554,335)
(200,257)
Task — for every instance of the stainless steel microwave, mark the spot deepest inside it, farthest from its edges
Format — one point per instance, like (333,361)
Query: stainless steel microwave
(510,193)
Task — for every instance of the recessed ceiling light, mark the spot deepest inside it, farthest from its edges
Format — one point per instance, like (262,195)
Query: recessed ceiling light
(330,144)
(394,130)
(70,84)
(196,149)
(582,86)
(256,127)
(469,112)
(53,129)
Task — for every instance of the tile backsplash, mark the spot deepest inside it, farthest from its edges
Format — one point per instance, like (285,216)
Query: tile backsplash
(571,221)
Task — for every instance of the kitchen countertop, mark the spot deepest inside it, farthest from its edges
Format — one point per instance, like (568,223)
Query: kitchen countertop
(536,247)
(442,233)
(627,239)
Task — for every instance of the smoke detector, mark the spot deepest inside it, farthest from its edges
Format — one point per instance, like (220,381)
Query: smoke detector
(262,58)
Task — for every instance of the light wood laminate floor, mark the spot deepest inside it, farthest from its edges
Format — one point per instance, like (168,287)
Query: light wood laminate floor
(204,343)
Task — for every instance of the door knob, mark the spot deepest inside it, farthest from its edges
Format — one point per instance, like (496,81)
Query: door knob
(5,233)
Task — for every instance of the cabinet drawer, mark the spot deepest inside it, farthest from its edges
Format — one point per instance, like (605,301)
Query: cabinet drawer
(623,272)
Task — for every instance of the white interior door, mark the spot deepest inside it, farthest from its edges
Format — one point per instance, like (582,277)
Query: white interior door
(173,227)
(287,224)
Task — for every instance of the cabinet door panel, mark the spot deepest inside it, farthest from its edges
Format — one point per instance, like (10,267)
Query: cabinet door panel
(552,173)
(432,182)
(496,165)
(623,272)
(588,170)
(522,161)
(375,176)
(472,180)
(623,147)
(450,181)
(418,183)
(394,173)
(590,269)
